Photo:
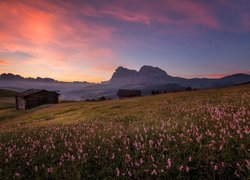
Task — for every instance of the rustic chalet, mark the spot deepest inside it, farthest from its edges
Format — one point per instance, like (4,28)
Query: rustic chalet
(35,97)
(124,93)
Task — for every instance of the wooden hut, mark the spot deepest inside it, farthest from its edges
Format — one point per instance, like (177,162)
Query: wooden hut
(125,93)
(35,97)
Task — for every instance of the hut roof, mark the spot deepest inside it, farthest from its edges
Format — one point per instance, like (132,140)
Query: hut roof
(33,91)
(127,92)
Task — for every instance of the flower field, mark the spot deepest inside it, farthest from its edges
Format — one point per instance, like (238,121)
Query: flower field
(189,135)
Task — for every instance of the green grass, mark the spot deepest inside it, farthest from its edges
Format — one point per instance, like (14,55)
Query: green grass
(211,126)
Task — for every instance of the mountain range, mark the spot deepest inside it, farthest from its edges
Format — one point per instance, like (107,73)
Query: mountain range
(148,78)
(13,77)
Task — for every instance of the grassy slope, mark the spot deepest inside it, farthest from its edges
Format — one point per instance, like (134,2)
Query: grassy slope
(7,93)
(140,109)
(7,102)
(176,121)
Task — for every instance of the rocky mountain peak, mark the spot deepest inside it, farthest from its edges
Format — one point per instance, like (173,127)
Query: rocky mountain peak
(149,70)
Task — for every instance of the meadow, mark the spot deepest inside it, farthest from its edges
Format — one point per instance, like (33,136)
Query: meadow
(185,135)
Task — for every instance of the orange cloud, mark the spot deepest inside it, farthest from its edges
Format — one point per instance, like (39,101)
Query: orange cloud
(3,62)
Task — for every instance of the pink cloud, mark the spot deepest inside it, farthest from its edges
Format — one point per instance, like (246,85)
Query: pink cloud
(216,75)
(192,13)
(54,36)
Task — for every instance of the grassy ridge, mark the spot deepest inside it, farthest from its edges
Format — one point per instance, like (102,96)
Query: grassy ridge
(7,93)
(202,134)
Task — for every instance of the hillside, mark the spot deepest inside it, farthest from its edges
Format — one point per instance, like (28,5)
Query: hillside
(7,93)
(201,134)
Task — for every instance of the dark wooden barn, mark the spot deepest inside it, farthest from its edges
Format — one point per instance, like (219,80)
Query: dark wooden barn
(125,93)
(35,97)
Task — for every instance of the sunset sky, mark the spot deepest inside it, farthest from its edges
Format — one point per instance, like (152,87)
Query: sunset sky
(88,39)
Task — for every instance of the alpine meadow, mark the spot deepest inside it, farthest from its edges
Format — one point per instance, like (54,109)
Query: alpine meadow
(201,134)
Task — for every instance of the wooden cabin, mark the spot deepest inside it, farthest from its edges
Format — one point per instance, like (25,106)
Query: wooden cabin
(35,97)
(125,93)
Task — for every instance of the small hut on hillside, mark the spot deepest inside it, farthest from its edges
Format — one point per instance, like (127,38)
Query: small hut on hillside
(35,97)
(125,93)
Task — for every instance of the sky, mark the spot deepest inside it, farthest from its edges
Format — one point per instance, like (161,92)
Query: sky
(86,40)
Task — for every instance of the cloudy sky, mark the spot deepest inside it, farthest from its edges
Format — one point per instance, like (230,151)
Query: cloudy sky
(87,39)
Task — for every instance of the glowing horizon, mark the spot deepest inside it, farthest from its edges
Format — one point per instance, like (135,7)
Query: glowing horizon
(87,40)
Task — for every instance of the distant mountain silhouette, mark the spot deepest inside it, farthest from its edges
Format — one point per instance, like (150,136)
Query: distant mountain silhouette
(10,77)
(13,77)
(123,76)
(18,83)
(148,76)
(147,79)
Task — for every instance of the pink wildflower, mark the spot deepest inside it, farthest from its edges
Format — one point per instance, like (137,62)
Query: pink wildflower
(154,172)
(190,159)
(141,161)
(180,168)
(248,164)
(169,163)
(118,173)
(113,156)
(127,158)
(152,158)
(50,170)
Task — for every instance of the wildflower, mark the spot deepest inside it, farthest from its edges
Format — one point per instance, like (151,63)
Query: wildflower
(154,172)
(137,164)
(36,168)
(141,161)
(17,174)
(152,158)
(187,169)
(127,158)
(215,167)
(129,173)
(50,170)
(169,163)
(190,159)
(118,173)
(113,156)
(150,142)
(180,168)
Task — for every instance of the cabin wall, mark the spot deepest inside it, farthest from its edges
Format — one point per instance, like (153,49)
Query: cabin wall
(128,94)
(20,103)
(41,98)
